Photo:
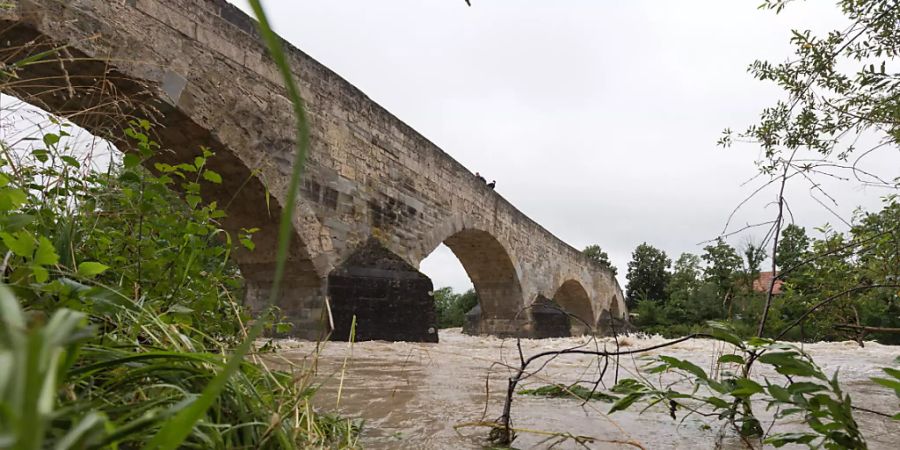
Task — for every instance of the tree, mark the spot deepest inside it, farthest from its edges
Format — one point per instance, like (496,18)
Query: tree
(686,275)
(813,132)
(647,275)
(841,92)
(451,307)
(682,289)
(754,255)
(722,262)
(793,249)
(599,257)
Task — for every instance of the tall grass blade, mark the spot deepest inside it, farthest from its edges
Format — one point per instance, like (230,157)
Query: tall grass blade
(176,429)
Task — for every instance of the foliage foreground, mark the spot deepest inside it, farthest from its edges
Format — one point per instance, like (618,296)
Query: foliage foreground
(120,309)
(119,326)
(841,96)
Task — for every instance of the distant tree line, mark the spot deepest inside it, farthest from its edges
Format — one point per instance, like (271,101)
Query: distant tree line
(724,283)
(451,307)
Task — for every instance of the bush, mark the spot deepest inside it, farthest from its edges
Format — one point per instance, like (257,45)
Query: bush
(126,309)
(452,307)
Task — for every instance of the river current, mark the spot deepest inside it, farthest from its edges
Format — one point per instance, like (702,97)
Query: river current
(418,395)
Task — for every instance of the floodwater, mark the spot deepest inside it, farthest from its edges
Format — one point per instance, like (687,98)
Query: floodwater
(428,396)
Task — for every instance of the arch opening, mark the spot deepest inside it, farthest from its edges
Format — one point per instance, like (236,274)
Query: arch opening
(493,276)
(572,297)
(101,98)
(454,295)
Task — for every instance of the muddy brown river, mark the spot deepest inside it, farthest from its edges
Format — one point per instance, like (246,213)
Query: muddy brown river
(426,396)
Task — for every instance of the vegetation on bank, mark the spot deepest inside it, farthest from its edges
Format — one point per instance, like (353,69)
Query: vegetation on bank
(451,307)
(841,104)
(121,304)
(120,316)
(723,284)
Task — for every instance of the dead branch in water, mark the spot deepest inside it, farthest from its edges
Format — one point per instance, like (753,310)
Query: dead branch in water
(503,433)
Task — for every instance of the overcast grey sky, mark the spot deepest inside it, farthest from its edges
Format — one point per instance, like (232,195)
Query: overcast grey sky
(598,119)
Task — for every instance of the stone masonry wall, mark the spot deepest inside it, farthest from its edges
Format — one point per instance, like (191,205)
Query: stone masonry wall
(369,175)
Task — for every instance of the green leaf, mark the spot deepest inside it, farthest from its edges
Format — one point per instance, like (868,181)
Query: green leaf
(4,180)
(15,222)
(131,160)
(892,384)
(759,342)
(687,366)
(51,139)
(626,401)
(41,155)
(779,393)
(212,177)
(180,309)
(41,275)
(46,253)
(129,176)
(718,403)
(789,363)
(192,200)
(736,359)
(91,269)
(21,243)
(746,387)
(11,198)
(892,372)
(70,161)
(163,167)
(725,333)
(781,439)
(186,167)
(804,387)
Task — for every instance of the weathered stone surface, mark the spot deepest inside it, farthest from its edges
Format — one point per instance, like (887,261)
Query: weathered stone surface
(198,69)
(388,297)
(549,319)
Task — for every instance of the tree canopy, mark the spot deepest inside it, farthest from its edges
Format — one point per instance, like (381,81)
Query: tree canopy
(599,257)
(647,274)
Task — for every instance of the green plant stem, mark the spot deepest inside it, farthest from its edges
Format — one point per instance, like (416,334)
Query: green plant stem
(177,429)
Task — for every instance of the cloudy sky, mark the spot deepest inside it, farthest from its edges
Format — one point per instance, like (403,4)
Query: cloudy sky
(598,119)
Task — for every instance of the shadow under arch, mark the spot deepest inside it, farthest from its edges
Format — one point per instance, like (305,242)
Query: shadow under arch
(614,311)
(613,319)
(494,277)
(574,299)
(95,94)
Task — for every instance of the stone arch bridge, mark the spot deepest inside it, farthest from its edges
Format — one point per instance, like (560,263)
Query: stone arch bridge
(377,196)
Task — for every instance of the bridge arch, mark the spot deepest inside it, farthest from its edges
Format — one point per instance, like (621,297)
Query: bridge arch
(96,95)
(490,267)
(574,299)
(201,72)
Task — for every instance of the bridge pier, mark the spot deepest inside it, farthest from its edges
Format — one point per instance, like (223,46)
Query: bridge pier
(301,301)
(198,70)
(389,298)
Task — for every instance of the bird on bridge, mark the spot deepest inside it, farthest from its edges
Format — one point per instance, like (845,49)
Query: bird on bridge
(492,184)
(468,3)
